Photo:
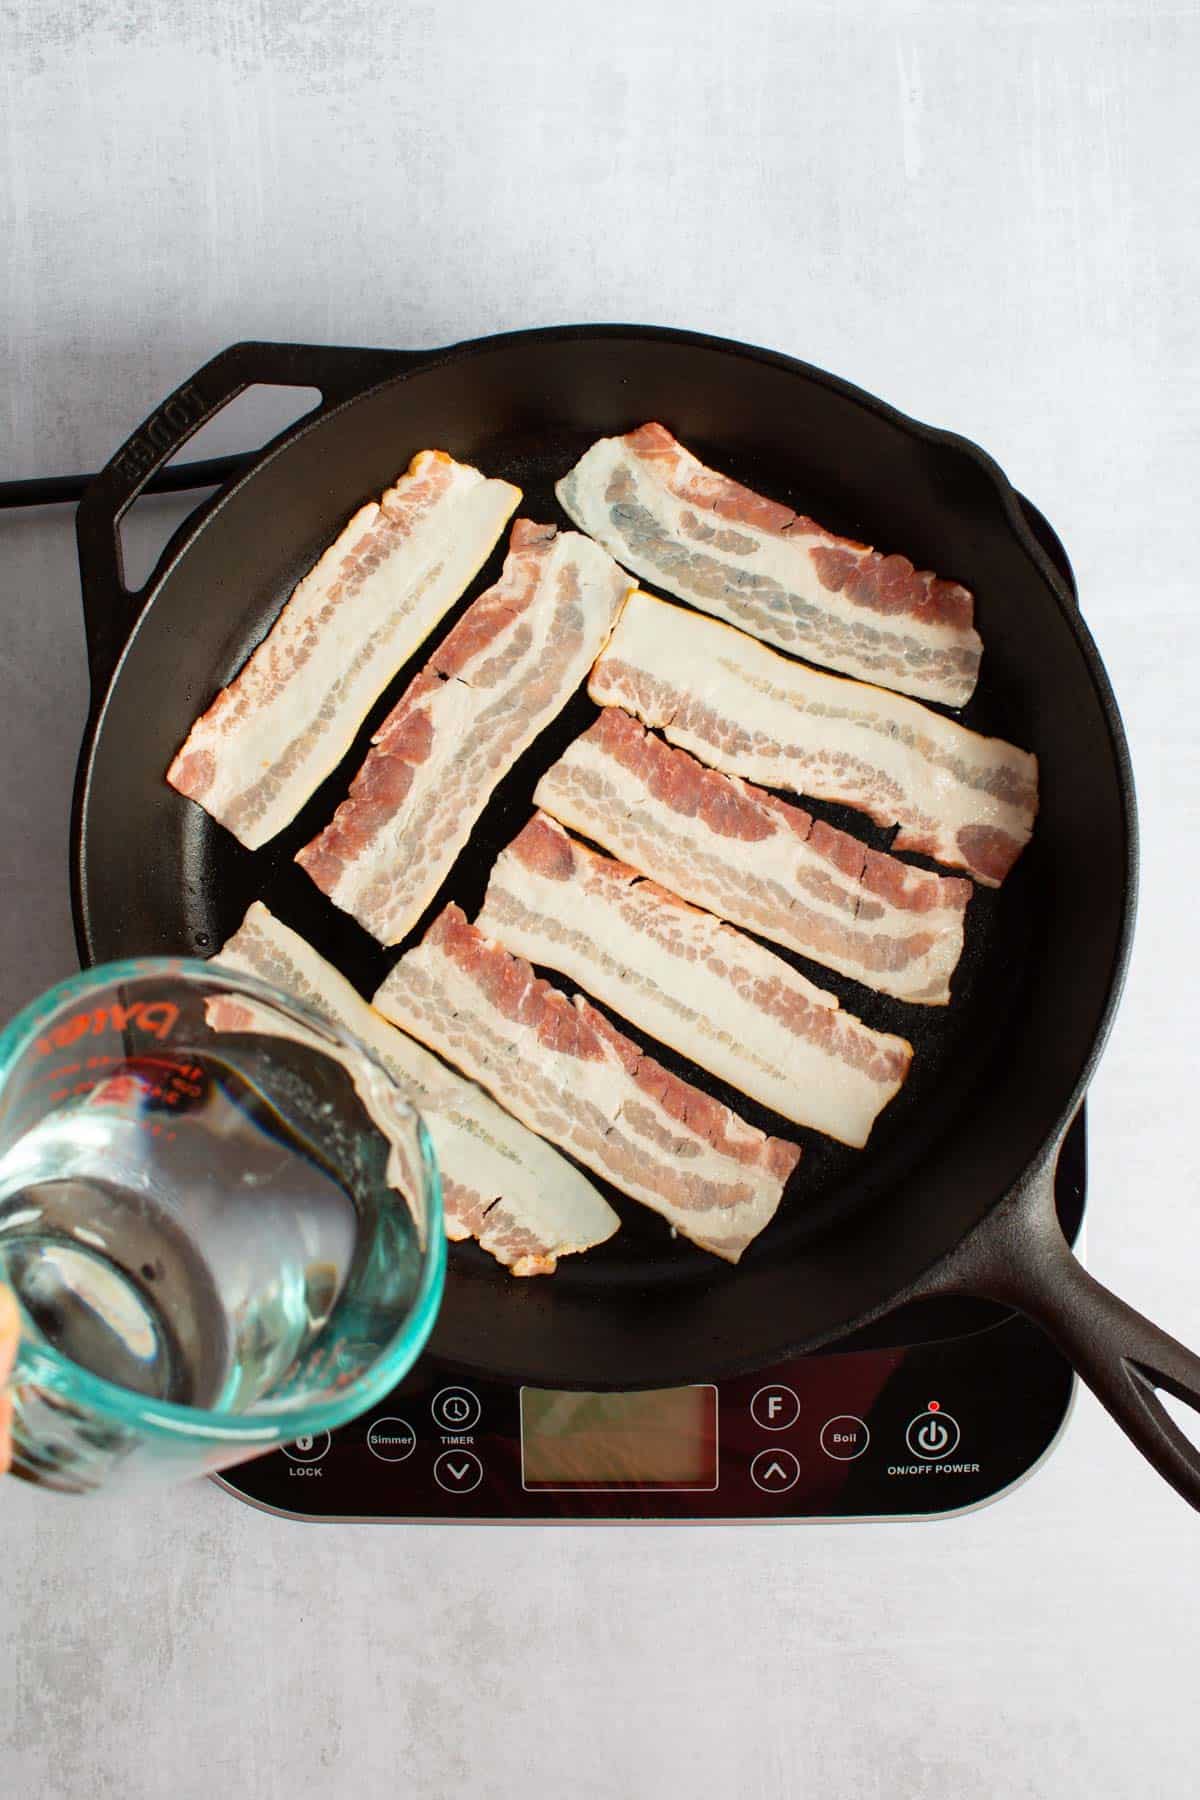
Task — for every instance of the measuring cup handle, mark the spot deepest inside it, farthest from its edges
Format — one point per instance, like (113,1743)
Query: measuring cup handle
(10,1331)
(109,606)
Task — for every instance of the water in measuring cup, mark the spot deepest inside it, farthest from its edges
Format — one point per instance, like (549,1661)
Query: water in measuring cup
(186,1232)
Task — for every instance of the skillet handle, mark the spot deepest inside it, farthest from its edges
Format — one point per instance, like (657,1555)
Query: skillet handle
(109,606)
(1019,1256)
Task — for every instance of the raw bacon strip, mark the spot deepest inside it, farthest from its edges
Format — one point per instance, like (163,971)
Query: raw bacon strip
(965,800)
(284,723)
(772,571)
(753,859)
(567,1073)
(510,664)
(525,1204)
(692,982)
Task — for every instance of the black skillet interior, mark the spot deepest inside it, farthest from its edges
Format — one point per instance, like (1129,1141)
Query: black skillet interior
(993,1072)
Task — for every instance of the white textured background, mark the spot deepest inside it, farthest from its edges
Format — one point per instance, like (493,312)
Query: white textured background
(987,213)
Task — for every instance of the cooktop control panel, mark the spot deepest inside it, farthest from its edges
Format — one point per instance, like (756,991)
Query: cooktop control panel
(880,1433)
(925,1415)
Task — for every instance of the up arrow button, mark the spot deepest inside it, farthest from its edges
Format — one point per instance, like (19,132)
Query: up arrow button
(774,1471)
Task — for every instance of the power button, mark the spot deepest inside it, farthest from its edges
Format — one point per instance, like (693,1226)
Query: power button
(932,1434)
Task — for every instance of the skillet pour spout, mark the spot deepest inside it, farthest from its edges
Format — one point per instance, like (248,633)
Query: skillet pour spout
(951,1196)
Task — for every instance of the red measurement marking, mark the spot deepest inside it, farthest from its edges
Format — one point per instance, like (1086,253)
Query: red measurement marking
(122,1090)
(158,1017)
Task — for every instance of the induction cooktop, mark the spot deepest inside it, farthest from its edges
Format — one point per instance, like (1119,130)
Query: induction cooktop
(939,1408)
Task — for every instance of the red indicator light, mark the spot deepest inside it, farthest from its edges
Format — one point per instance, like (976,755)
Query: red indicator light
(934,1406)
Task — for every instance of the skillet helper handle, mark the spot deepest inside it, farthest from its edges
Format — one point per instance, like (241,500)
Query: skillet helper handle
(109,606)
(1019,1256)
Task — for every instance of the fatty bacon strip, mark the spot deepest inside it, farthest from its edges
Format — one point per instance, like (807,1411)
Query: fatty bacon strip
(286,720)
(524,1203)
(964,800)
(690,981)
(759,862)
(774,572)
(508,667)
(571,1076)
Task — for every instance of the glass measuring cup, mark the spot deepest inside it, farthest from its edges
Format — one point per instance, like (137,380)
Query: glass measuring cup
(221,1219)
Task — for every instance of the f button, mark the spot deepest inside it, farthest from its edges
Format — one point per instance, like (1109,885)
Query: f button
(775,1408)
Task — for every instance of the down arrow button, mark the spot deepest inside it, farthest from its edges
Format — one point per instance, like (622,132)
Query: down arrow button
(458,1471)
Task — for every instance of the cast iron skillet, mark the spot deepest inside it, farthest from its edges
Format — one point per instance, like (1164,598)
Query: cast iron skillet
(951,1197)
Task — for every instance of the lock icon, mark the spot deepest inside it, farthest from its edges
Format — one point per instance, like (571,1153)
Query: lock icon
(307,1449)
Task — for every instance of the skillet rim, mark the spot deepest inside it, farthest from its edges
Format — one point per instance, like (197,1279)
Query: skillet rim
(954,443)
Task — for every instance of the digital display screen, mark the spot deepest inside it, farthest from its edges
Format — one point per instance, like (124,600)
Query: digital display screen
(663,1438)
